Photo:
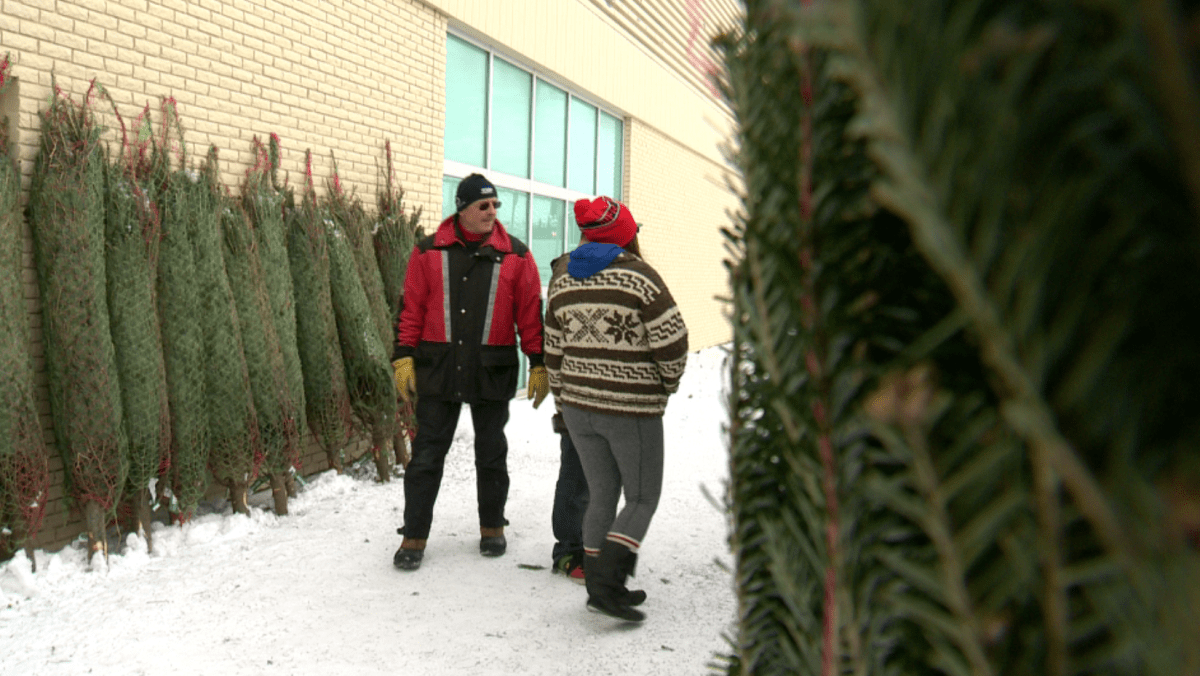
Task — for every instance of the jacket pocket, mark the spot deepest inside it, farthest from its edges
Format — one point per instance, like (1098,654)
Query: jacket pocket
(431,364)
(498,369)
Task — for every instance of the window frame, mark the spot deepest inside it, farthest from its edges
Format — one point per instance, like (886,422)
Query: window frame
(455,169)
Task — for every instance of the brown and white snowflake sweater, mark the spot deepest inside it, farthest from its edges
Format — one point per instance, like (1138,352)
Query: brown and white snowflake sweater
(615,341)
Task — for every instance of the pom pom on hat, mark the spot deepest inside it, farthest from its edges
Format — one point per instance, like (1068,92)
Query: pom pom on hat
(605,220)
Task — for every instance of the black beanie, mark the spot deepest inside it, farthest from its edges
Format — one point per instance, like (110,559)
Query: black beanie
(471,188)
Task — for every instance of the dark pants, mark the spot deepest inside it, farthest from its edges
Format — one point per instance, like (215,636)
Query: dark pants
(570,502)
(436,421)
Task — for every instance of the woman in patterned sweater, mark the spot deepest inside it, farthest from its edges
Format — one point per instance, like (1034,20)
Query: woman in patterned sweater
(615,348)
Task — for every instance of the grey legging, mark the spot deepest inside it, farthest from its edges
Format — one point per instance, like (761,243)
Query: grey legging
(618,451)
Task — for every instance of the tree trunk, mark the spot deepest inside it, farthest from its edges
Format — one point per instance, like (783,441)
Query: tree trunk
(379,451)
(237,497)
(400,443)
(335,460)
(93,519)
(280,492)
(141,510)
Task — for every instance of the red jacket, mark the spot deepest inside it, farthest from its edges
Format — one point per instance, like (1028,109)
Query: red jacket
(463,305)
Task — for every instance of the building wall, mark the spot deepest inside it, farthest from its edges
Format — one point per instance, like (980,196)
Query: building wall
(681,199)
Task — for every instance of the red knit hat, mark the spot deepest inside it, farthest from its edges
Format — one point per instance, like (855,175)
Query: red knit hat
(605,220)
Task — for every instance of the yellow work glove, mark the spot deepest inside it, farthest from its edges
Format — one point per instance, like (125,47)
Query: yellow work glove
(539,385)
(406,380)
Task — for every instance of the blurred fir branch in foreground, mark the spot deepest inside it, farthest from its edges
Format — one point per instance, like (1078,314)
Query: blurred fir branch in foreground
(966,371)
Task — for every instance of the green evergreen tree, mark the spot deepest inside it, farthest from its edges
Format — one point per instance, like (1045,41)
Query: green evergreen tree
(264,356)
(325,392)
(265,203)
(368,369)
(133,230)
(66,217)
(24,472)
(395,234)
(962,439)
(181,198)
(235,452)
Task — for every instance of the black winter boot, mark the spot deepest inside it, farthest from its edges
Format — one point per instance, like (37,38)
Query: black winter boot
(635,597)
(630,598)
(605,580)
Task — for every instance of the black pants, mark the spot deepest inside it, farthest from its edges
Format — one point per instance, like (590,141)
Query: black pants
(436,421)
(570,502)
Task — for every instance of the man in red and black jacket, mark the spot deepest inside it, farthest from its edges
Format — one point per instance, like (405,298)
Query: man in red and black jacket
(469,290)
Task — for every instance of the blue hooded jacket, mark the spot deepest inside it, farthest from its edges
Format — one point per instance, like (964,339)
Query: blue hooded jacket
(591,258)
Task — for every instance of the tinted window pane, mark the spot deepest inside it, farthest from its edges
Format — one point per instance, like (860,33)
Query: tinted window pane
(514,212)
(550,158)
(582,152)
(449,187)
(466,101)
(512,91)
(549,217)
(609,156)
(514,215)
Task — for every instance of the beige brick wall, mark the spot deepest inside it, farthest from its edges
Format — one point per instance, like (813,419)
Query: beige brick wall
(337,77)
(334,77)
(681,199)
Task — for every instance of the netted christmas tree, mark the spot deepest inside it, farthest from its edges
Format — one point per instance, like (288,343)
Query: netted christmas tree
(264,200)
(364,352)
(133,230)
(395,234)
(181,198)
(351,216)
(964,378)
(24,472)
(66,217)
(235,453)
(273,404)
(326,396)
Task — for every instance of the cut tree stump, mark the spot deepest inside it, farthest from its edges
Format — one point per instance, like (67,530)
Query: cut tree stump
(279,491)
(93,519)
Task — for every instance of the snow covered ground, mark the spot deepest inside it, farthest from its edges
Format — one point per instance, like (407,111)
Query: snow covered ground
(315,592)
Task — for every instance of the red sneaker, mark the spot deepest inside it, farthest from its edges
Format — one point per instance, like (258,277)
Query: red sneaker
(571,566)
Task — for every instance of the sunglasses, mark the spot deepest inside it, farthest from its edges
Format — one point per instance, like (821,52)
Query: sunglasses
(483,206)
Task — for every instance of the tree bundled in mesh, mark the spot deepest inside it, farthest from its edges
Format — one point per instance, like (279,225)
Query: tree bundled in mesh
(326,396)
(133,230)
(264,201)
(364,352)
(273,404)
(66,217)
(24,472)
(963,431)
(395,234)
(351,216)
(235,453)
(181,198)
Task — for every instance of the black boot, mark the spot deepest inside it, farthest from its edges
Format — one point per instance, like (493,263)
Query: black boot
(629,597)
(635,597)
(605,580)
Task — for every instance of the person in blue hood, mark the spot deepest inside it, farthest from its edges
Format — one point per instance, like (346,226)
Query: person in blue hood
(615,349)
